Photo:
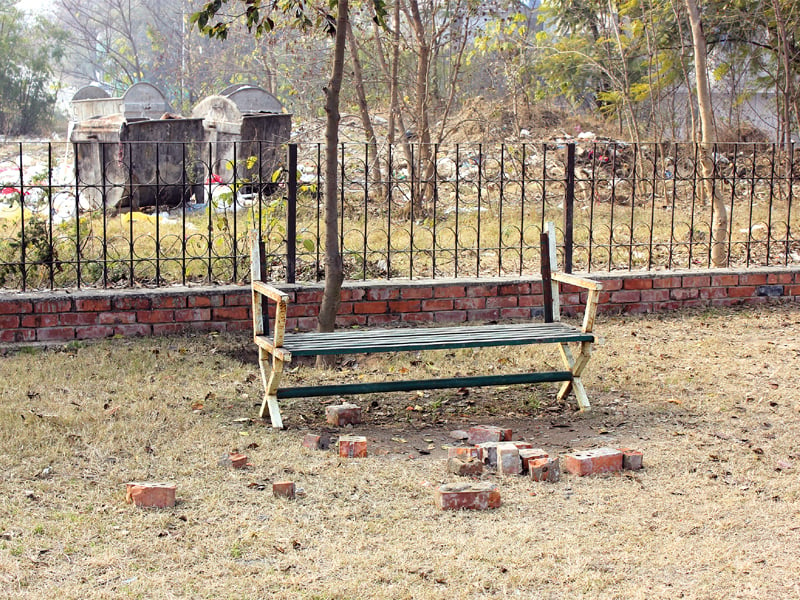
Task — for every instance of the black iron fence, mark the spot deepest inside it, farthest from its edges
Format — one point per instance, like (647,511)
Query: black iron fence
(155,214)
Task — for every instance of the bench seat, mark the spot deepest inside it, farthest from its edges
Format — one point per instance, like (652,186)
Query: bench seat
(355,341)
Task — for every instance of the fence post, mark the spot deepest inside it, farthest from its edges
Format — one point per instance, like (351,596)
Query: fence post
(291,216)
(569,206)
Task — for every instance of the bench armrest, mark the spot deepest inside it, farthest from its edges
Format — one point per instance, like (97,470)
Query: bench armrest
(583,282)
(593,287)
(260,289)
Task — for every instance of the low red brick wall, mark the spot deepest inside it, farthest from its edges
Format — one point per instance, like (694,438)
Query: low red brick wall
(64,316)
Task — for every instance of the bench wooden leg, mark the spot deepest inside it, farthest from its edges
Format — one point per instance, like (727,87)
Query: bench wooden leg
(576,365)
(270,383)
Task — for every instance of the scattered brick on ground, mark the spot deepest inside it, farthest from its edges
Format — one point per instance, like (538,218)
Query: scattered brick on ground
(464,452)
(464,467)
(588,462)
(151,494)
(544,469)
(488,433)
(343,414)
(489,453)
(352,446)
(632,460)
(508,460)
(317,442)
(470,496)
(283,489)
(528,454)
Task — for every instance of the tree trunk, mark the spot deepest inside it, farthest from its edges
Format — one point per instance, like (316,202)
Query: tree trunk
(373,160)
(425,161)
(719,225)
(334,269)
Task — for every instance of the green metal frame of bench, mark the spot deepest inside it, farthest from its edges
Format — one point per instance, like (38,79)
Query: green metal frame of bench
(275,351)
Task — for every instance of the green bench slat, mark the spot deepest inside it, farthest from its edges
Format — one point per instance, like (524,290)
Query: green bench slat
(352,341)
(422,384)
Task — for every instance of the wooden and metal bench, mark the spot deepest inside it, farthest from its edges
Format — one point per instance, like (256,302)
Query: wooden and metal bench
(277,350)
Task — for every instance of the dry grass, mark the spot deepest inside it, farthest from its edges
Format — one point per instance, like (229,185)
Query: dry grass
(711,398)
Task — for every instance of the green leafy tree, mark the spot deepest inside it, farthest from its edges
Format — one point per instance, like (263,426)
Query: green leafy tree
(259,17)
(27,85)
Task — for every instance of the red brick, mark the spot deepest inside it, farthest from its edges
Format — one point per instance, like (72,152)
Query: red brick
(695,281)
(464,452)
(783,278)
(131,303)
(713,292)
(344,321)
(302,310)
(528,454)
(416,293)
(60,334)
(661,295)
(193,314)
(404,306)
(133,329)
(625,296)
(353,294)
(345,308)
(437,305)
(241,299)
(667,306)
(741,291)
(639,283)
(316,442)
(167,301)
(53,306)
(116,318)
(382,320)
(283,489)
(195,326)
(94,332)
(477,291)
(488,433)
(631,459)
(724,280)
(151,494)
(370,308)
(486,314)
(11,322)
(169,328)
(450,316)
(501,302)
(421,317)
(232,313)
(467,496)
(155,316)
(74,318)
(308,296)
(637,308)
(489,452)
(11,307)
(508,459)
(544,469)
(515,313)
(588,462)
(352,446)
(464,467)
(752,279)
(611,285)
(574,299)
(449,291)
(469,303)
(684,293)
(17,335)
(514,289)
(530,300)
(238,461)
(343,414)
(205,301)
(383,294)
(46,320)
(92,304)
(664,282)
